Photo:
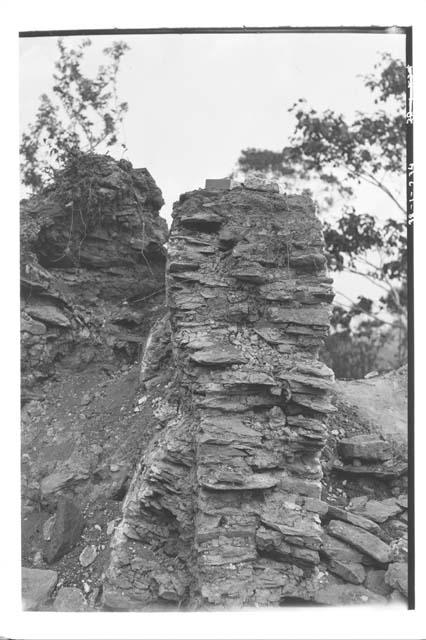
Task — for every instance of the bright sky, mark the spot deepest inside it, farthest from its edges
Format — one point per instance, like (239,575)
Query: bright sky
(195,101)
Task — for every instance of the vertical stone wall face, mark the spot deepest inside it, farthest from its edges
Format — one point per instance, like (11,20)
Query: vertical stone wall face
(249,301)
(225,508)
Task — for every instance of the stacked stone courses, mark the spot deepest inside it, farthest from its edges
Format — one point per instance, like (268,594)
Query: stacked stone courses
(225,508)
(237,470)
(250,306)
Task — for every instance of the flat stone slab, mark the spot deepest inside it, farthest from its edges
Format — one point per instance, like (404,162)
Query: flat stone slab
(253,273)
(299,382)
(365,448)
(387,469)
(34,327)
(318,369)
(362,540)
(60,479)
(355,519)
(380,511)
(237,378)
(318,315)
(308,260)
(37,586)
(350,571)
(48,314)
(337,550)
(255,481)
(217,356)
(358,503)
(200,217)
(317,506)
(221,184)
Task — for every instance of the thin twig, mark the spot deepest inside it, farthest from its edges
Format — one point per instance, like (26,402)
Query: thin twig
(151,295)
(373,180)
(369,313)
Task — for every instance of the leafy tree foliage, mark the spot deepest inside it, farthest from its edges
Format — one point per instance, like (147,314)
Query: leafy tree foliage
(341,154)
(331,157)
(82,114)
(353,355)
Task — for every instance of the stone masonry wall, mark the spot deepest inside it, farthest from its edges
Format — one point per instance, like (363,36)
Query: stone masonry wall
(225,507)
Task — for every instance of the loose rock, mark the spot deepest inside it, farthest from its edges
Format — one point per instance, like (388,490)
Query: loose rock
(66,530)
(365,448)
(351,572)
(362,540)
(60,479)
(88,555)
(381,511)
(37,586)
(352,518)
(69,599)
(397,577)
(375,581)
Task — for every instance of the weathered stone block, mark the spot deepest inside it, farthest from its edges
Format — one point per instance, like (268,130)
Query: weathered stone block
(70,599)
(218,356)
(352,518)
(397,577)
(375,581)
(365,448)
(349,571)
(66,529)
(221,184)
(37,586)
(60,479)
(362,540)
(336,549)
(380,511)
(48,314)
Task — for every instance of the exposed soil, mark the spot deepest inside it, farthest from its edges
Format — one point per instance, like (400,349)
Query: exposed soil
(381,401)
(86,421)
(375,406)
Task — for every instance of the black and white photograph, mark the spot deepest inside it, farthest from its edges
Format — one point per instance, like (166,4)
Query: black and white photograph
(216,362)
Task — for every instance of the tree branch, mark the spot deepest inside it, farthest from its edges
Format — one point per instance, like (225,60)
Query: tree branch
(373,180)
(368,313)
(365,275)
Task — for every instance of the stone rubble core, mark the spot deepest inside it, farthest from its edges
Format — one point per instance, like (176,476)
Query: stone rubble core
(224,509)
